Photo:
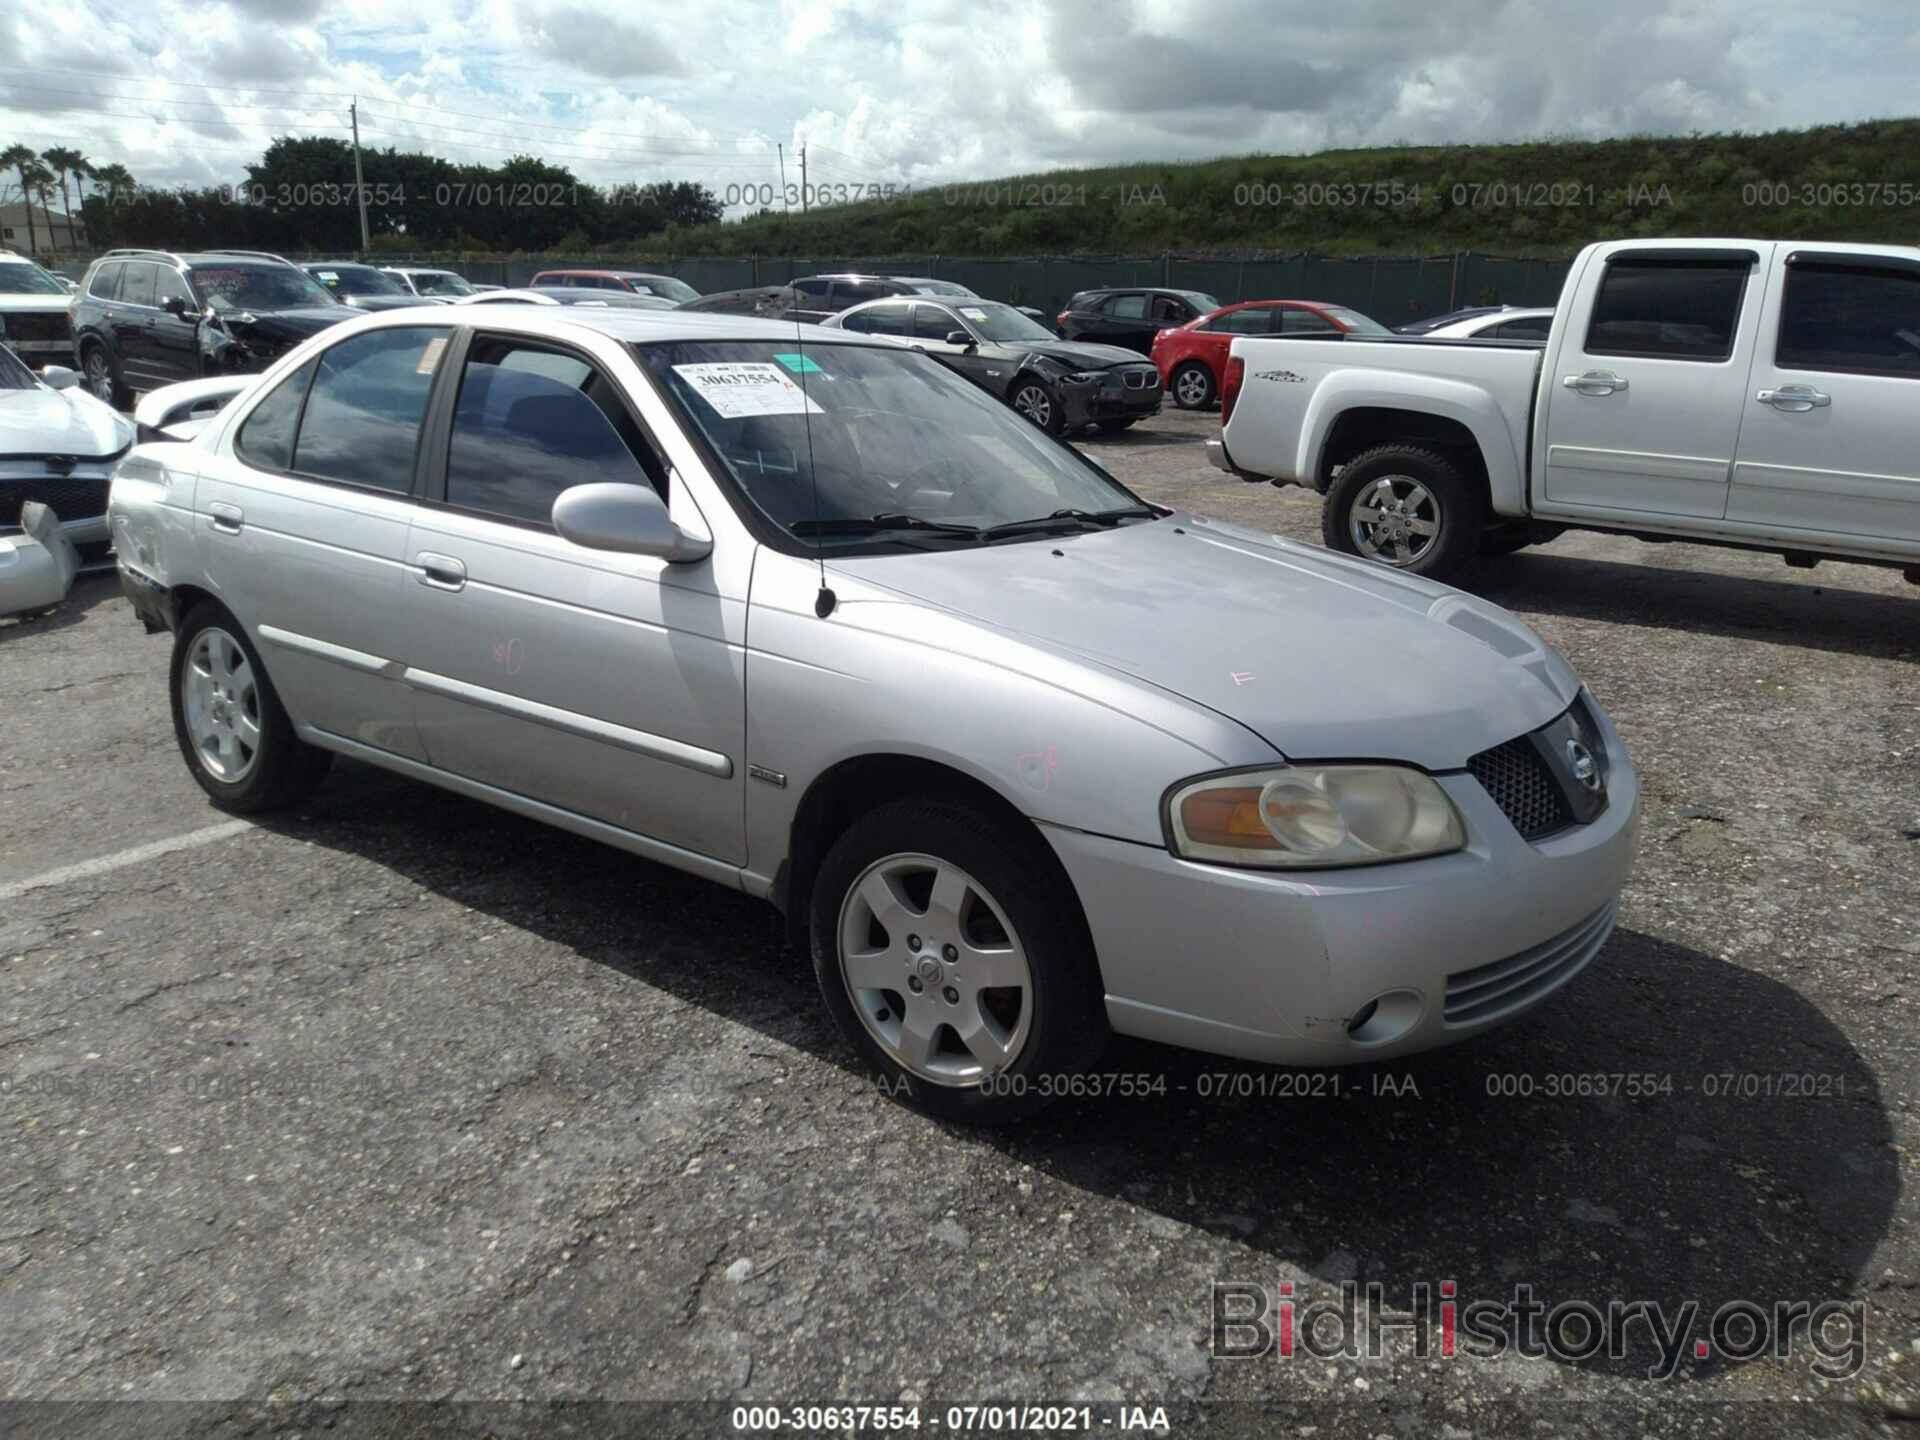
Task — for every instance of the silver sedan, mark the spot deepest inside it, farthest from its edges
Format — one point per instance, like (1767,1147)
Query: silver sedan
(1023,760)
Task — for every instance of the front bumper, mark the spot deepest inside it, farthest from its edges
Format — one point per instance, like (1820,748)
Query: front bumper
(1277,967)
(1110,399)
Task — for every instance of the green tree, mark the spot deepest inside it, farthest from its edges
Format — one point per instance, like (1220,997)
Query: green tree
(18,158)
(64,162)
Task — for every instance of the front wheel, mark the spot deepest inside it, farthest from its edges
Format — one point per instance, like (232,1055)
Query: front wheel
(1035,400)
(1408,507)
(233,732)
(951,953)
(103,378)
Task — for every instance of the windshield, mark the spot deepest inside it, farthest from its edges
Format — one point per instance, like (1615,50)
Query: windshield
(883,434)
(13,374)
(441,282)
(1355,322)
(666,287)
(357,280)
(1003,323)
(239,286)
(18,279)
(1199,299)
(943,287)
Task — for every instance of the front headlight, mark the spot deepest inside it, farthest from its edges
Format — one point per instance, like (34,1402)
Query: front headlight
(1312,816)
(1082,377)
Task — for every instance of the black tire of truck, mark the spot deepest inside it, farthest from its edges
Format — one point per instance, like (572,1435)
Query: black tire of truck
(1418,511)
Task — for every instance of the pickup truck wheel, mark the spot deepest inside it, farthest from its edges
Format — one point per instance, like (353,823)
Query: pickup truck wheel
(950,951)
(1192,386)
(233,732)
(1408,507)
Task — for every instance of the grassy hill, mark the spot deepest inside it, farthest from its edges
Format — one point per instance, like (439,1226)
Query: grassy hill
(1539,198)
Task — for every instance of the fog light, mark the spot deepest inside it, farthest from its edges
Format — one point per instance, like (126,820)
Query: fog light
(1385,1018)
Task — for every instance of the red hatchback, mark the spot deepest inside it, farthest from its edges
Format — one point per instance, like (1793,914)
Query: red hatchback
(1191,358)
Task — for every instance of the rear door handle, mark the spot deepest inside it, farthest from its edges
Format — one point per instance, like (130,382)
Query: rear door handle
(1596,382)
(1795,399)
(442,572)
(226,518)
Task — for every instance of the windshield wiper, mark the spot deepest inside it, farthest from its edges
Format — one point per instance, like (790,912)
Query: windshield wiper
(1106,519)
(874,524)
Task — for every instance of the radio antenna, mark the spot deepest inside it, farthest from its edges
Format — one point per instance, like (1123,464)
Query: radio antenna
(824,602)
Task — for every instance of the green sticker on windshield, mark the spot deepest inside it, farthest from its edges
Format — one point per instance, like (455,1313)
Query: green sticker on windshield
(798,364)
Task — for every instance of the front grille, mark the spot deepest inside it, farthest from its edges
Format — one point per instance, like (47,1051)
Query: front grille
(28,325)
(1488,992)
(69,499)
(1516,776)
(1140,379)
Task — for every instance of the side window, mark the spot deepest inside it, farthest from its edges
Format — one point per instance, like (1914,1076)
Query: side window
(812,289)
(1667,310)
(532,422)
(1242,322)
(882,320)
(931,322)
(1533,328)
(169,286)
(1306,322)
(1170,310)
(363,415)
(266,435)
(105,284)
(136,286)
(1127,307)
(858,292)
(1848,317)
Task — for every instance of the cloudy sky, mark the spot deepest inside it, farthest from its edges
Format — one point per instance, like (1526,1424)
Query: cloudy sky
(891,91)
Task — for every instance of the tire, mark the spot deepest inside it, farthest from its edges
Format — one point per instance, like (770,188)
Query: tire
(233,732)
(1114,427)
(1016,919)
(103,377)
(1192,386)
(1037,401)
(1432,518)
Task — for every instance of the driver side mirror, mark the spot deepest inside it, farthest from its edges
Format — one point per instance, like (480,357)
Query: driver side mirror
(625,519)
(960,337)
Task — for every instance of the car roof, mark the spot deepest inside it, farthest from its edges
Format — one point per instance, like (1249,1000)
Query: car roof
(631,326)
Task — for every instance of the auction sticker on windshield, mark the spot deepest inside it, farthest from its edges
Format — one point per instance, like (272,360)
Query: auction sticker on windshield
(737,389)
(973,314)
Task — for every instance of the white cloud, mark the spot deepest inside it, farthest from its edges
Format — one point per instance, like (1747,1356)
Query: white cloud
(189,91)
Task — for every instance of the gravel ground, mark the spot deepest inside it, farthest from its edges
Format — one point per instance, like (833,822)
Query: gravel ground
(399,1099)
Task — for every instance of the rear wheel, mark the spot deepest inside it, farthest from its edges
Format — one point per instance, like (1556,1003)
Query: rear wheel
(1193,387)
(950,951)
(1408,507)
(1035,400)
(233,732)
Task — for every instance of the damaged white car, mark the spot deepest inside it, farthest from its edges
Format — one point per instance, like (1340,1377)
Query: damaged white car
(58,447)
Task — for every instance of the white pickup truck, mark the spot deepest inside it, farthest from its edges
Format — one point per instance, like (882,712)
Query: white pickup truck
(1752,393)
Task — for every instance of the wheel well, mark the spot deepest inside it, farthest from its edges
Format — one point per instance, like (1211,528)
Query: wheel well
(1365,427)
(188,598)
(849,790)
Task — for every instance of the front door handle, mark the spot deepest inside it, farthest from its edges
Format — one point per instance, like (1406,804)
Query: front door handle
(1596,382)
(226,518)
(442,572)
(1795,399)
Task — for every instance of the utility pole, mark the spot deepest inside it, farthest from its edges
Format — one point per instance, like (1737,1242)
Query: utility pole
(781,151)
(803,181)
(359,183)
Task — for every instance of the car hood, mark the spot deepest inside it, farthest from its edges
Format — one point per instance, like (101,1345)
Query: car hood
(288,325)
(1082,355)
(60,422)
(1321,656)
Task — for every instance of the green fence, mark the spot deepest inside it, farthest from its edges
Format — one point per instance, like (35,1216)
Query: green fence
(1393,289)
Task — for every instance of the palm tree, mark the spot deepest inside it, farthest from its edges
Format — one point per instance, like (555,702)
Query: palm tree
(18,158)
(115,177)
(64,162)
(42,181)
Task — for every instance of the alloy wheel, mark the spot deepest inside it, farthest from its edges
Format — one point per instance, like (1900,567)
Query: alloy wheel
(1191,387)
(1034,403)
(1395,520)
(221,703)
(99,376)
(934,970)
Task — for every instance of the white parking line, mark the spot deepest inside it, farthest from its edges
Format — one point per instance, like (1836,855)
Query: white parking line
(120,859)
